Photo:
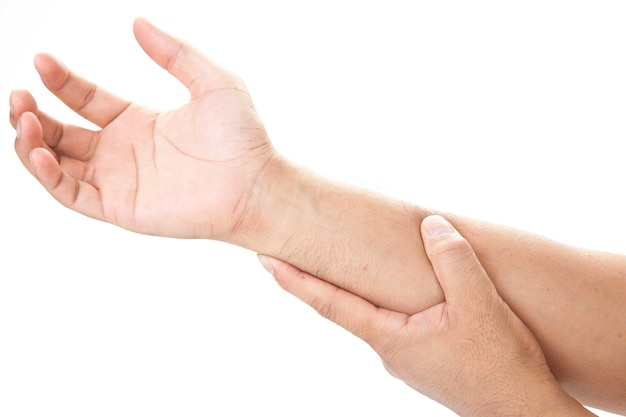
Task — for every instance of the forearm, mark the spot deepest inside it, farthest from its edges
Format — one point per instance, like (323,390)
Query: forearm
(573,300)
(355,239)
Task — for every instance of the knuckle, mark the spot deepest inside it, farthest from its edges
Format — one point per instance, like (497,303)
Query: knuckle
(324,308)
(57,134)
(90,93)
(174,58)
(391,370)
(394,357)
(457,249)
(390,349)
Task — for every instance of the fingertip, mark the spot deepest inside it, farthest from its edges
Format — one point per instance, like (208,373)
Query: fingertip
(18,127)
(274,268)
(51,70)
(157,44)
(28,136)
(42,60)
(267,263)
(435,226)
(453,259)
(28,130)
(139,20)
(20,101)
(436,229)
(141,24)
(282,271)
(11,115)
(35,157)
(45,167)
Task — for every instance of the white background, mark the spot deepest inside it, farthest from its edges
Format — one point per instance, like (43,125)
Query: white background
(507,111)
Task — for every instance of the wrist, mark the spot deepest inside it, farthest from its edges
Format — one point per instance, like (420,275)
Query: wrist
(550,400)
(345,235)
(561,404)
(279,195)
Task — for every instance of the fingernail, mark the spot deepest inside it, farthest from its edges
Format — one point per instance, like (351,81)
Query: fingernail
(18,128)
(267,263)
(32,164)
(11,103)
(437,226)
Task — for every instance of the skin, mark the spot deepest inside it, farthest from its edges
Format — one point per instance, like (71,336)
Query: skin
(471,353)
(214,154)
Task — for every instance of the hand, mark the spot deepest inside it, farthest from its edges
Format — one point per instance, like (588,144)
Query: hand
(471,353)
(189,172)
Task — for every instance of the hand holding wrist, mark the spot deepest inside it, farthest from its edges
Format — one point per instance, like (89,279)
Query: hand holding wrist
(470,353)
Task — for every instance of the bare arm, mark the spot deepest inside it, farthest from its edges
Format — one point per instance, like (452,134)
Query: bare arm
(208,170)
(574,300)
(470,353)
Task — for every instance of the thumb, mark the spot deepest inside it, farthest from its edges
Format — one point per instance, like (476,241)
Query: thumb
(181,60)
(460,274)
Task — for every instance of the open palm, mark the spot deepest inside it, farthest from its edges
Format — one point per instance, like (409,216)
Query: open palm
(183,173)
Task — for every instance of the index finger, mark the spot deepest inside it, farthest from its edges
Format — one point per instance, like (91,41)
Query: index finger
(353,313)
(84,97)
